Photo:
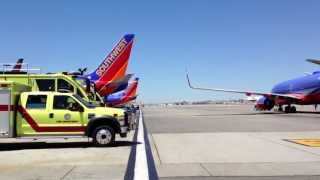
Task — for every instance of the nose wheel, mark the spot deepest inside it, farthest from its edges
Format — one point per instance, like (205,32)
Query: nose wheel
(290,109)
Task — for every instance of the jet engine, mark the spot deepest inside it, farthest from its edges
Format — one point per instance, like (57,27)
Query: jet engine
(264,104)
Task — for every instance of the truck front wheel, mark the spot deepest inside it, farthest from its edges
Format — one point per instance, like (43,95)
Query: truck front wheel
(103,135)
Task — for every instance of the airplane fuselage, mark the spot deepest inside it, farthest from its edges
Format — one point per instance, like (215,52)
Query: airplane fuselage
(306,87)
(302,91)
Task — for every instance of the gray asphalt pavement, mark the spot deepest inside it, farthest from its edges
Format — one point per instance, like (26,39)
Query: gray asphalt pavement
(232,142)
(57,158)
(228,118)
(247,178)
(223,142)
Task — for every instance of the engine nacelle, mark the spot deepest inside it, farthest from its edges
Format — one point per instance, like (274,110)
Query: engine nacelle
(264,104)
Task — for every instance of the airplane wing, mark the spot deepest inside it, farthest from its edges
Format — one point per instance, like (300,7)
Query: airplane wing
(247,93)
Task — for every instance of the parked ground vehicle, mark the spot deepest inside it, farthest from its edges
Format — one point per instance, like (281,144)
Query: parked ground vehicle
(25,112)
(58,82)
(133,114)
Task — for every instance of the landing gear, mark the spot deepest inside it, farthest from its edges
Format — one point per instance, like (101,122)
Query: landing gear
(290,109)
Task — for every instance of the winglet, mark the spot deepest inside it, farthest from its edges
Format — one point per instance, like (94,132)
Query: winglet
(189,82)
(314,61)
(188,79)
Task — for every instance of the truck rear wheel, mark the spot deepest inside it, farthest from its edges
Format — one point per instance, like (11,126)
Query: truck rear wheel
(103,135)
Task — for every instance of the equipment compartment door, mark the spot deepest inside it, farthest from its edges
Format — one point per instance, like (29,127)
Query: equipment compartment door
(4,113)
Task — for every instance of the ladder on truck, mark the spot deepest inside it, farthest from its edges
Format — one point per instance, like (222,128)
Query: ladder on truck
(8,68)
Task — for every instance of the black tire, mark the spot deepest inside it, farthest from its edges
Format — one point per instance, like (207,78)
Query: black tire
(103,136)
(280,109)
(287,109)
(293,109)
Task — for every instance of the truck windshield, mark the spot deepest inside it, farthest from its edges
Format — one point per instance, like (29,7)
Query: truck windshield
(82,82)
(84,102)
(89,88)
(64,85)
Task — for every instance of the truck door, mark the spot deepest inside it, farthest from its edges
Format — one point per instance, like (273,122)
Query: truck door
(67,114)
(47,115)
(35,115)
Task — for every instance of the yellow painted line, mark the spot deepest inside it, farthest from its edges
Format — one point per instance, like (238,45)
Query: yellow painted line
(306,142)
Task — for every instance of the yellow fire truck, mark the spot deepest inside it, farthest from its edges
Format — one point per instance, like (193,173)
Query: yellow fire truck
(41,105)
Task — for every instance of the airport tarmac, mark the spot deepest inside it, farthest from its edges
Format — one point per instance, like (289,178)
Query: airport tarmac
(186,142)
(232,142)
(57,158)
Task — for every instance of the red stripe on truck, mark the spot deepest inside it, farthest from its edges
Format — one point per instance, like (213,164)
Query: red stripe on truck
(6,107)
(38,128)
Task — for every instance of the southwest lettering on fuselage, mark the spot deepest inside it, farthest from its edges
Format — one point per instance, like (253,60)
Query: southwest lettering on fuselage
(111,58)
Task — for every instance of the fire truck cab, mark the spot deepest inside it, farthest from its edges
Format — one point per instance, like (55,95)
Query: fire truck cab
(54,82)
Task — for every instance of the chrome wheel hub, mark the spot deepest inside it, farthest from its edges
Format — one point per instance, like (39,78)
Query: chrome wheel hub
(104,136)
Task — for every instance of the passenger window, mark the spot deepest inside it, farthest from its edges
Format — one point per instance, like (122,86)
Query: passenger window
(64,86)
(64,102)
(45,84)
(36,102)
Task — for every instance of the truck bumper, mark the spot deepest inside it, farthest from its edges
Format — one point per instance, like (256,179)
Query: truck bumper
(130,119)
(124,129)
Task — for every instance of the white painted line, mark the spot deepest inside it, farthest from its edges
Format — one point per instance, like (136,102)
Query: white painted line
(141,171)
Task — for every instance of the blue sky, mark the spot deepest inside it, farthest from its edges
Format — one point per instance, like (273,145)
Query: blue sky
(246,45)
